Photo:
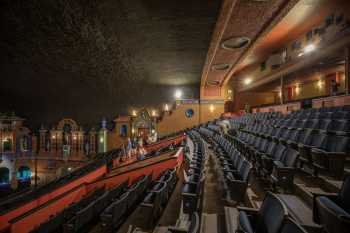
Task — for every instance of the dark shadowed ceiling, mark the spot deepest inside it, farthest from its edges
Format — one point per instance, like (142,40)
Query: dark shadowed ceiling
(89,59)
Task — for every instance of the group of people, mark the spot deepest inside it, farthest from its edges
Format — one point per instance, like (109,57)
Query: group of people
(134,146)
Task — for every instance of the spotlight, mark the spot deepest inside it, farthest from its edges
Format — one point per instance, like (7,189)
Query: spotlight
(178,94)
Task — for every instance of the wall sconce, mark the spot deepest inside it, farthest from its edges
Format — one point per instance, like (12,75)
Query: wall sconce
(166,108)
(53,137)
(154,113)
(297,89)
(134,113)
(132,130)
(211,108)
(74,137)
(320,84)
(101,140)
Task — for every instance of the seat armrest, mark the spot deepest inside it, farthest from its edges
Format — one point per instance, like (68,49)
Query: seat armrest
(331,196)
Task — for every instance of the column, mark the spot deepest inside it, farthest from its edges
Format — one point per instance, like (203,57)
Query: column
(42,147)
(347,69)
(59,136)
(92,142)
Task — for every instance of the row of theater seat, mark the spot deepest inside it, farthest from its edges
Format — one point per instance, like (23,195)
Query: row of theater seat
(192,189)
(234,169)
(78,215)
(116,211)
(157,198)
(329,126)
(320,149)
(273,216)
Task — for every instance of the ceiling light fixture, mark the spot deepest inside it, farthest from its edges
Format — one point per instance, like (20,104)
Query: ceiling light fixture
(247,81)
(213,82)
(220,67)
(178,94)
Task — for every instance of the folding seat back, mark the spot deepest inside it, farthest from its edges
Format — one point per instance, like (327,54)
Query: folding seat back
(333,213)
(84,216)
(257,142)
(311,124)
(101,203)
(133,194)
(263,145)
(238,161)
(324,124)
(344,194)
(290,157)
(315,139)
(333,143)
(117,191)
(271,214)
(271,148)
(244,170)
(120,207)
(278,153)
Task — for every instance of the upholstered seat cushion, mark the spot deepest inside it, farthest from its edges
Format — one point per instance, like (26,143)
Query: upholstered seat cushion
(149,199)
(332,206)
(189,188)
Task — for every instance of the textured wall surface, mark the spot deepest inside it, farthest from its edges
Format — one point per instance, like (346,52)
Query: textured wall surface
(89,59)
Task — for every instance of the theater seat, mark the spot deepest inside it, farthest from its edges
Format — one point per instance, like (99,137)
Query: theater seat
(193,228)
(284,169)
(268,219)
(330,156)
(238,181)
(333,211)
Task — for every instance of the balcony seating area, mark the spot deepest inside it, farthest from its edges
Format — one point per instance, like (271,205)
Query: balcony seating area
(103,159)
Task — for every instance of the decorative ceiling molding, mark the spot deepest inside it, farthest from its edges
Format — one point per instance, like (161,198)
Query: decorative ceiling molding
(238,19)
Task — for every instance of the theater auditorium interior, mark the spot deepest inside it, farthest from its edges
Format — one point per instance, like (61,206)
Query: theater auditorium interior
(187,116)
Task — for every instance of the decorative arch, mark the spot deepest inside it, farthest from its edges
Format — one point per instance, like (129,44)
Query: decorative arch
(67,121)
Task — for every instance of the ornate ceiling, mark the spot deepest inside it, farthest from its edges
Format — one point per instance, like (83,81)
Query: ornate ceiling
(89,59)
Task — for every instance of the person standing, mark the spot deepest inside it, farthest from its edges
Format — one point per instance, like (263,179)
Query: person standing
(129,147)
(334,87)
